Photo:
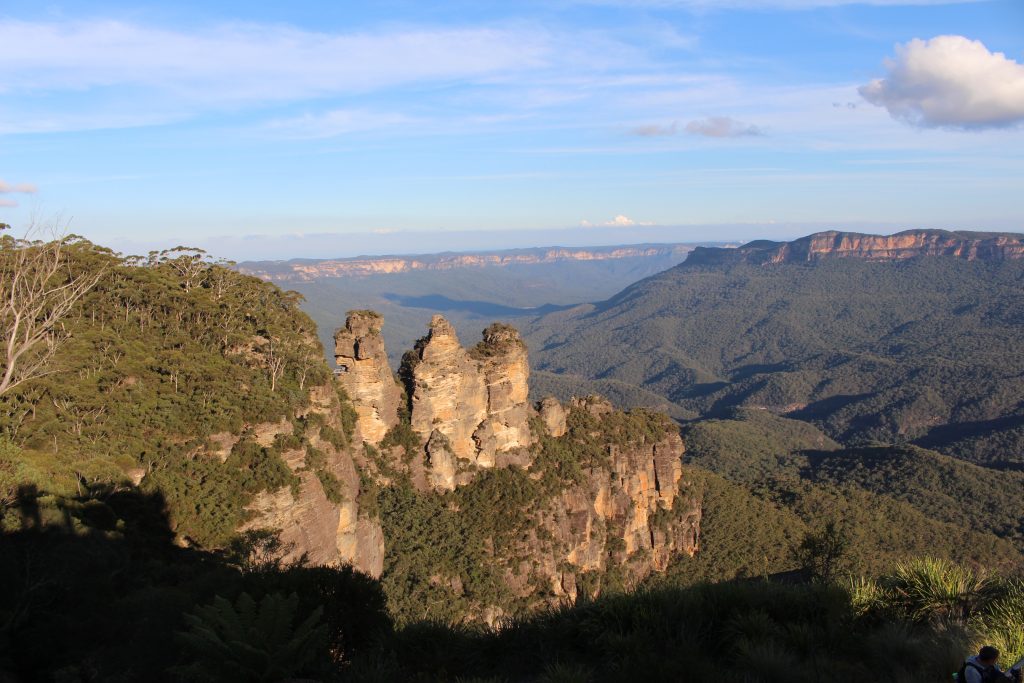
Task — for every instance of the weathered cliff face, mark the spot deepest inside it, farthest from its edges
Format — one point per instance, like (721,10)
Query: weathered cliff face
(627,514)
(305,270)
(553,416)
(364,372)
(448,392)
(475,398)
(309,523)
(970,246)
(599,495)
(632,512)
(506,372)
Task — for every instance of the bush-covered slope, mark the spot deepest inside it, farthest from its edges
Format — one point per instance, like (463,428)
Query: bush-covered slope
(159,356)
(920,350)
(893,502)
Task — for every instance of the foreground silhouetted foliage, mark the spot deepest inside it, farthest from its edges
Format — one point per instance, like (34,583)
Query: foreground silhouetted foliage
(95,590)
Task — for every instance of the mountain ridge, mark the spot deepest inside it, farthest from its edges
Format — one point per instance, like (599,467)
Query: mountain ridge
(305,270)
(967,245)
(866,348)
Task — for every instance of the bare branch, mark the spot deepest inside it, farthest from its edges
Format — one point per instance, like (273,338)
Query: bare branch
(38,289)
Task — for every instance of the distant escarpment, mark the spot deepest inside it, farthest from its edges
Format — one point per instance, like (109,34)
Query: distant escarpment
(550,500)
(304,270)
(970,246)
(913,337)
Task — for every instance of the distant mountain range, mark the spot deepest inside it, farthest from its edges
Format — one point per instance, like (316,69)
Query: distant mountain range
(914,337)
(307,270)
(472,289)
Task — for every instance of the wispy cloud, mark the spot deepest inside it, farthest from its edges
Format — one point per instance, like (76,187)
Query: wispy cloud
(131,74)
(22,188)
(8,203)
(336,122)
(655,130)
(251,61)
(768,4)
(722,127)
(711,127)
(950,81)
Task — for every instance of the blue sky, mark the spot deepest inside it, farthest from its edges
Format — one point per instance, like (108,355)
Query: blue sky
(336,128)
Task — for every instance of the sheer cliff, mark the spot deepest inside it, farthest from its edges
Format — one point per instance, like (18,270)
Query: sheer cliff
(970,246)
(301,270)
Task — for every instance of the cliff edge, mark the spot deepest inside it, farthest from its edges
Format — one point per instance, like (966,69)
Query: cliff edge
(970,246)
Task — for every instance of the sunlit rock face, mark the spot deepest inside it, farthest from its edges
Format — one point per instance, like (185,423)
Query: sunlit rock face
(476,398)
(628,511)
(553,415)
(308,523)
(364,372)
(632,514)
(903,245)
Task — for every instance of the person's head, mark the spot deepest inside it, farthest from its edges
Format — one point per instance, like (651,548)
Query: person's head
(988,655)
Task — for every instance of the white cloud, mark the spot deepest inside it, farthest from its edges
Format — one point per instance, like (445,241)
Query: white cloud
(722,127)
(950,81)
(620,221)
(8,202)
(24,188)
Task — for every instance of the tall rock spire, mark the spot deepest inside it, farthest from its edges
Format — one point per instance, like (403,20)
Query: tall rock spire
(364,372)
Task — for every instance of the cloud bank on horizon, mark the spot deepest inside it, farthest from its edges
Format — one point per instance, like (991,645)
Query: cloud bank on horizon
(148,123)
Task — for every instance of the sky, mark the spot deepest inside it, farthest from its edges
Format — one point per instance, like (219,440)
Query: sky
(332,128)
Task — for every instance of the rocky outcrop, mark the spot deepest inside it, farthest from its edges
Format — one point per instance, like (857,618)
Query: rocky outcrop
(552,414)
(476,399)
(447,392)
(307,521)
(506,372)
(305,270)
(618,507)
(970,246)
(440,464)
(364,372)
(632,511)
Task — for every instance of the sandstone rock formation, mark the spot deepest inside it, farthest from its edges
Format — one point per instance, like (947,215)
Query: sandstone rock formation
(309,523)
(441,464)
(632,512)
(364,372)
(476,399)
(506,372)
(446,390)
(625,512)
(970,246)
(553,415)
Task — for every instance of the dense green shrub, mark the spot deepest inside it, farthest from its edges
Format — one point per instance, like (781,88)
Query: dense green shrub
(161,354)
